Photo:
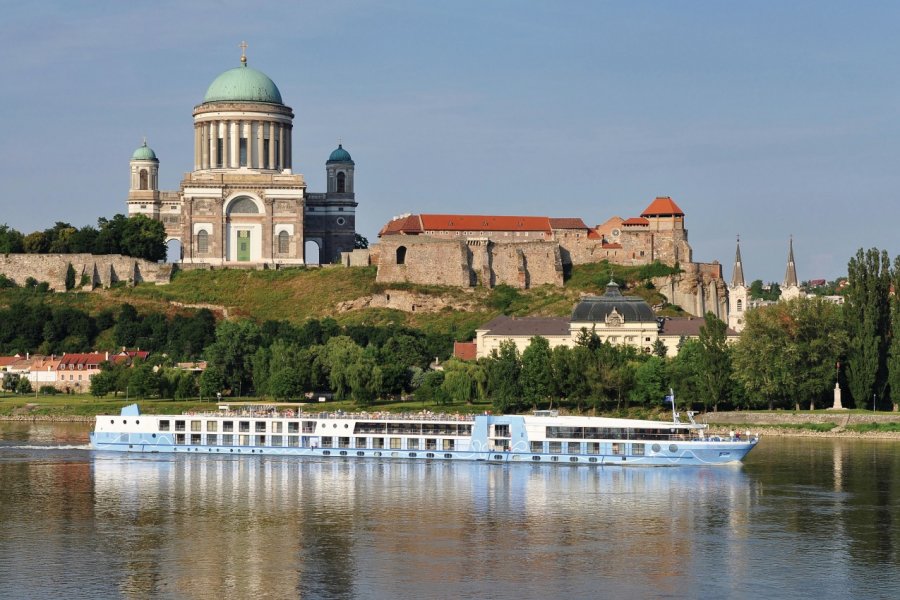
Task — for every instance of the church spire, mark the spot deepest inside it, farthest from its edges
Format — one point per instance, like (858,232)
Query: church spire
(790,275)
(737,276)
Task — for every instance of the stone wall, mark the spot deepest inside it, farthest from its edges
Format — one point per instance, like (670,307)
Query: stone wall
(698,289)
(435,261)
(101,270)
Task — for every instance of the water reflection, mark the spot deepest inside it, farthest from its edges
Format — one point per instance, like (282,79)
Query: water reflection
(801,518)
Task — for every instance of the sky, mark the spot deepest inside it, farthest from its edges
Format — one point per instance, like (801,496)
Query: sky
(760,119)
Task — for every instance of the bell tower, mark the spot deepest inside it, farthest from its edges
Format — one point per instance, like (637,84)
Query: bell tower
(143,193)
(737,293)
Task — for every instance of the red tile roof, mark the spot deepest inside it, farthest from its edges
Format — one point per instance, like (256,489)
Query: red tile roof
(567,223)
(612,246)
(407,224)
(465,350)
(89,358)
(8,360)
(483,223)
(662,206)
(635,221)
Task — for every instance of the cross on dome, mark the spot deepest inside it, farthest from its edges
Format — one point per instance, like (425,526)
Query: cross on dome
(243,46)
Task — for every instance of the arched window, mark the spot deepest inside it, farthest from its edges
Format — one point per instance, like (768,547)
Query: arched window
(341,183)
(740,305)
(202,241)
(283,239)
(143,179)
(401,255)
(243,206)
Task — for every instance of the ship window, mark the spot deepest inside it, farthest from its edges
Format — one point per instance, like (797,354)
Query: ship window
(361,442)
(179,425)
(164,425)
(212,425)
(449,444)
(244,426)
(327,442)
(212,439)
(195,425)
(276,440)
(412,444)
(555,447)
(260,440)
(179,438)
(430,444)
(395,443)
(618,448)
(673,448)
(228,426)
(593,448)
(195,439)
(378,442)
(537,446)
(637,449)
(227,440)
(283,239)
(295,428)
(243,440)
(293,441)
(574,448)
(448,456)
(535,458)
(573,459)
(344,442)
(260,426)
(277,427)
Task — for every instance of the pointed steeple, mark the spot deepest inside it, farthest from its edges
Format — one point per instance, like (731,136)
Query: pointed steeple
(790,275)
(737,276)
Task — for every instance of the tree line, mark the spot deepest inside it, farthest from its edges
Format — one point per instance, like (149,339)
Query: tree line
(138,236)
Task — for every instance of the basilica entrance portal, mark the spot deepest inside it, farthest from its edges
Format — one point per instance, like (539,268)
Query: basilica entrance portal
(243,245)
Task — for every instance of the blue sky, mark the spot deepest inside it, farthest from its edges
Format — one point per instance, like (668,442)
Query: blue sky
(762,119)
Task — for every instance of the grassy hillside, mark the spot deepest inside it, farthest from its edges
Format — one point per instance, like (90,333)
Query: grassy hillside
(300,294)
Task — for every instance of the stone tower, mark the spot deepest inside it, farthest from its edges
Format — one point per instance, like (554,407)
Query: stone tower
(737,293)
(790,287)
(143,193)
(331,217)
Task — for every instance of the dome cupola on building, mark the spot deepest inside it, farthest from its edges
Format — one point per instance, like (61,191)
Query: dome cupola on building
(598,309)
(243,84)
(340,155)
(145,152)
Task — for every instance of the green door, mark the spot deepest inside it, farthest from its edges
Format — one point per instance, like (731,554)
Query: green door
(243,250)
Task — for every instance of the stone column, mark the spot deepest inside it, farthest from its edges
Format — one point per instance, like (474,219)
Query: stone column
(187,231)
(197,128)
(271,164)
(213,144)
(267,233)
(226,141)
(281,147)
(234,131)
(260,157)
(287,146)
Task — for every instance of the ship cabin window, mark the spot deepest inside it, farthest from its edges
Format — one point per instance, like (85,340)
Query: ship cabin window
(618,448)
(195,426)
(227,425)
(260,427)
(430,444)
(327,442)
(449,444)
(361,442)
(179,425)
(378,442)
(195,439)
(537,446)
(212,425)
(412,444)
(243,440)
(164,425)
(344,442)
(501,431)
(293,441)
(592,448)
(179,438)
(277,427)
(637,449)
(308,427)
(212,439)
(574,448)
(395,443)
(228,440)
(260,440)
(295,428)
(555,447)
(244,426)
(277,441)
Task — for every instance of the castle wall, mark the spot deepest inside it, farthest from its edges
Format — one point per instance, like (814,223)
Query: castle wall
(102,270)
(425,261)
(526,264)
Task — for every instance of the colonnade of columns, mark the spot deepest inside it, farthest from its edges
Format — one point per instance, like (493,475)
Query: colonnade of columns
(267,145)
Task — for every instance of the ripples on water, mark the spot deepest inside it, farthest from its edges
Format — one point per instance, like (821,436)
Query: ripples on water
(800,519)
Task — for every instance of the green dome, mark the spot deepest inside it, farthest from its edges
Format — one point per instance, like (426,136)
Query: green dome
(243,84)
(340,155)
(145,152)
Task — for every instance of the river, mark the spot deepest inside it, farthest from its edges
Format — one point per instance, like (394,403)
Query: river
(802,518)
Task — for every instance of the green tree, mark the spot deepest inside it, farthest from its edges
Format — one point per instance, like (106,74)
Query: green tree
(893,360)
(867,317)
(537,371)
(103,383)
(36,243)
(145,238)
(11,241)
(459,383)
(359,242)
(660,349)
(650,381)
(232,352)
(716,362)
(286,384)
(23,386)
(186,386)
(70,277)
(503,369)
(212,382)
(10,382)
(685,370)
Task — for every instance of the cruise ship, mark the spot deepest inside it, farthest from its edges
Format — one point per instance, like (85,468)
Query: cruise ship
(542,437)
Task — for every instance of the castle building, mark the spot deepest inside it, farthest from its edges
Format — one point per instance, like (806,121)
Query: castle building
(243,205)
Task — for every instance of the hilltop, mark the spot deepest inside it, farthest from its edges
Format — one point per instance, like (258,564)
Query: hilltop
(351,296)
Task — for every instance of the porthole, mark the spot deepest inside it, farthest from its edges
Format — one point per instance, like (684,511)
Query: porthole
(326,452)
(346,425)
(395,454)
(130,446)
(498,457)
(592,459)
(124,421)
(334,425)
(554,458)
(378,454)
(153,435)
(448,455)
(429,455)
(412,454)
(138,422)
(360,453)
(535,458)
(573,459)
(655,447)
(112,421)
(673,448)
(343,453)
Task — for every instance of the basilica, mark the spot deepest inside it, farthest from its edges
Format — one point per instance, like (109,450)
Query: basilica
(243,205)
